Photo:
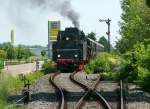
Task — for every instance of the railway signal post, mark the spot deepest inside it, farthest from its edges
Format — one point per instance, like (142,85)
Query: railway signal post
(108,32)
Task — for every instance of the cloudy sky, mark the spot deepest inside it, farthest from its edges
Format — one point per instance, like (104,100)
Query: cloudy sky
(29,20)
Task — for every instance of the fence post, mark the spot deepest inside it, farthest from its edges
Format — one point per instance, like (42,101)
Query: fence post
(26,92)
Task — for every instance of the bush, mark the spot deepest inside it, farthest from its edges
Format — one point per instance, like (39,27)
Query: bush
(49,67)
(34,76)
(145,83)
(136,65)
(35,58)
(103,63)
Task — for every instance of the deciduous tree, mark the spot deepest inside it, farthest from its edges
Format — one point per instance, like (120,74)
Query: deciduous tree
(135,24)
(92,36)
(104,42)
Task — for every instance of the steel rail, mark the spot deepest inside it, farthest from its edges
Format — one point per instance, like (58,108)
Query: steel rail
(121,95)
(102,100)
(88,91)
(79,104)
(60,90)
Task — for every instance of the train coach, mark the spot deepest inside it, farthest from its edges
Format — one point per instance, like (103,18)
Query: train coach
(73,49)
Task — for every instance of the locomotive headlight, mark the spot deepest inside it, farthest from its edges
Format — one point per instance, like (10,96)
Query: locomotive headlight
(75,56)
(58,56)
(67,38)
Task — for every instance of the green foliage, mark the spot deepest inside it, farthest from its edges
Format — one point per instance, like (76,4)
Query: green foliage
(35,58)
(5,45)
(32,77)
(148,3)
(2,64)
(135,24)
(145,82)
(18,53)
(104,42)
(103,63)
(92,36)
(135,67)
(23,53)
(49,67)
(43,53)
(135,42)
(11,53)
(2,54)
(7,86)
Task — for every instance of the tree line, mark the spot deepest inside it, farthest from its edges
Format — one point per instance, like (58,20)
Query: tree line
(134,45)
(7,51)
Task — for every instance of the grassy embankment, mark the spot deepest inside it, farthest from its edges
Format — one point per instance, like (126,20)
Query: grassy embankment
(9,84)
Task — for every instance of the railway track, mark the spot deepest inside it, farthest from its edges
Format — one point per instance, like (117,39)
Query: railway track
(90,91)
(59,91)
(122,104)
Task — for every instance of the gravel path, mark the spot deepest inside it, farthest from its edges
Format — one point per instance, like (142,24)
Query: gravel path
(64,82)
(138,105)
(43,95)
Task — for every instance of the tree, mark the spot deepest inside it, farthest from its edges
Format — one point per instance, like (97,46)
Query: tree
(148,3)
(135,65)
(27,53)
(5,45)
(43,53)
(135,24)
(92,36)
(20,53)
(23,53)
(104,42)
(11,53)
(2,54)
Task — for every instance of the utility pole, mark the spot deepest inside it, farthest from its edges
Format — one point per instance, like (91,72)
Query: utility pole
(108,32)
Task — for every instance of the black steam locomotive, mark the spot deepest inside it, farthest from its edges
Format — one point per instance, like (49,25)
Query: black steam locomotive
(73,49)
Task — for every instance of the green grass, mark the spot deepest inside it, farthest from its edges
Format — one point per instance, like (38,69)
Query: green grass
(8,85)
(11,84)
(32,77)
(49,67)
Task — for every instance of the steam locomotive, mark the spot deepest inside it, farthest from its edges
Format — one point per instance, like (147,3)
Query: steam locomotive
(73,49)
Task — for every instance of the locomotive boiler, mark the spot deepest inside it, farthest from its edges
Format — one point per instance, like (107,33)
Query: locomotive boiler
(73,49)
